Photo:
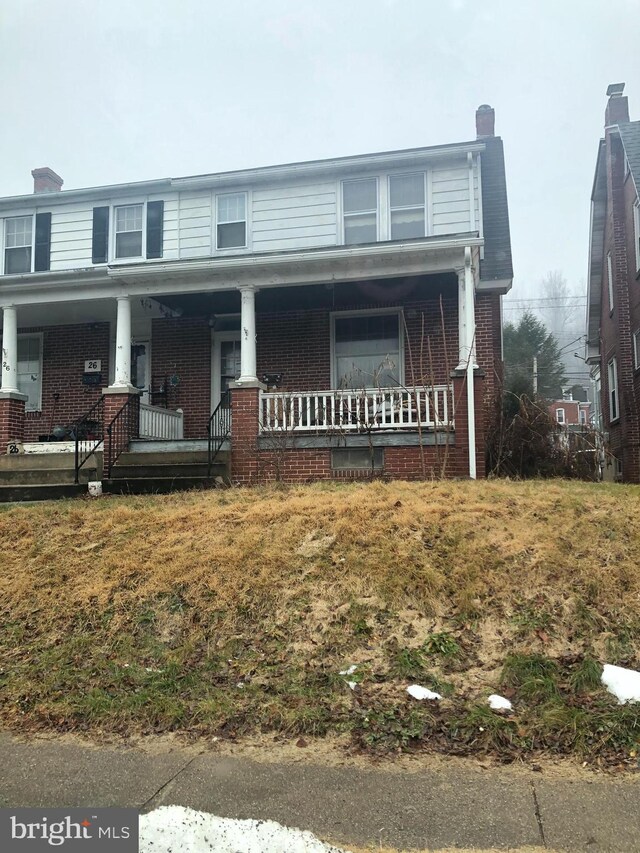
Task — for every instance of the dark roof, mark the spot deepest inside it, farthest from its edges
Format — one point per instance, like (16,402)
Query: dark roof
(496,263)
(630,135)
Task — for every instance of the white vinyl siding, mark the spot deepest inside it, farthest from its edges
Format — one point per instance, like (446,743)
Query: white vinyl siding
(195,224)
(30,370)
(614,402)
(450,208)
(294,217)
(71,235)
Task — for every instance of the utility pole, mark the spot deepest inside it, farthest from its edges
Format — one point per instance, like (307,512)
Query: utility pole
(535,376)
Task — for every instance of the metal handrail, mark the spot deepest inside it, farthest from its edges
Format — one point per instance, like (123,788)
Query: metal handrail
(218,429)
(124,426)
(93,416)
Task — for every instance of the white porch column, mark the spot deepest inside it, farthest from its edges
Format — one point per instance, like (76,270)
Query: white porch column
(466,317)
(471,359)
(247,335)
(122,376)
(9,349)
(463,351)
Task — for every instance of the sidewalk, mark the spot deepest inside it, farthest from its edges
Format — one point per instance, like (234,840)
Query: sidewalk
(445,807)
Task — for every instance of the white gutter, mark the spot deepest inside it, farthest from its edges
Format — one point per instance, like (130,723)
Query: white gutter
(471,330)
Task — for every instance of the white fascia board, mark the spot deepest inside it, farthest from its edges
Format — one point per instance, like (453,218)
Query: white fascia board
(52,199)
(158,278)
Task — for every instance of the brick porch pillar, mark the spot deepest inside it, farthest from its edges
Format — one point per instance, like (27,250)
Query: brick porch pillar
(245,427)
(11,418)
(459,382)
(118,435)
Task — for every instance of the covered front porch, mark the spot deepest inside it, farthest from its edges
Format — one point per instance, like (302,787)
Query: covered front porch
(177,358)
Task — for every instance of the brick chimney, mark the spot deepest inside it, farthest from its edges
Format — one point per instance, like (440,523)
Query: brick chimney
(617,111)
(485,121)
(45,180)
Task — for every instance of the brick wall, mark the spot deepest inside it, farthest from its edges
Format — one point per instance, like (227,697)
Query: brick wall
(65,350)
(11,422)
(616,327)
(181,348)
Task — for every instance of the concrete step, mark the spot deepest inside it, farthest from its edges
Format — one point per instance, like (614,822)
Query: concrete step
(35,461)
(45,476)
(180,470)
(156,485)
(51,491)
(166,458)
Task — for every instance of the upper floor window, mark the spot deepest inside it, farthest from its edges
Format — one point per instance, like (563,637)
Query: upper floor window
(614,403)
(636,230)
(128,228)
(560,416)
(231,231)
(610,281)
(18,244)
(360,211)
(407,205)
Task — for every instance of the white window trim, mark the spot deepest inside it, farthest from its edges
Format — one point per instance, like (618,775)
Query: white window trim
(379,232)
(636,230)
(612,370)
(3,238)
(367,311)
(248,203)
(40,336)
(112,231)
(610,282)
(392,175)
(564,420)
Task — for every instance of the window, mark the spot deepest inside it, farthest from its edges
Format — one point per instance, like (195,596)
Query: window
(357,458)
(367,350)
(610,281)
(636,349)
(560,416)
(614,410)
(407,206)
(636,229)
(232,221)
(18,240)
(30,370)
(360,211)
(128,227)
(582,417)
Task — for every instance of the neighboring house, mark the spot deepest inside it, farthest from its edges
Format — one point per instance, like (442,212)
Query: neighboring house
(351,307)
(571,413)
(614,286)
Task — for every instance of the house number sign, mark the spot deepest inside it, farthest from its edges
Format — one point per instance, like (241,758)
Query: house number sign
(93,365)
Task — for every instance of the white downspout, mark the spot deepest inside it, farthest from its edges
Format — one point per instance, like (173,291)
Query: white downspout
(470,329)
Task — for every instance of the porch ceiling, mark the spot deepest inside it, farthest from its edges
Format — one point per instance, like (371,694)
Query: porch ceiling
(329,296)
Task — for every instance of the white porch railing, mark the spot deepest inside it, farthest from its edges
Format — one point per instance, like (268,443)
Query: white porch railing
(357,410)
(161,424)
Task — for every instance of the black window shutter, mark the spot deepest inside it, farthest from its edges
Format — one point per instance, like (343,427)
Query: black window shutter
(100,241)
(155,222)
(43,242)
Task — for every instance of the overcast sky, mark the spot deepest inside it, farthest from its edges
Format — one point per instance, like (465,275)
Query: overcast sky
(127,90)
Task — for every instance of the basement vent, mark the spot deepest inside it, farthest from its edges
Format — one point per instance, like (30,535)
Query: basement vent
(357,459)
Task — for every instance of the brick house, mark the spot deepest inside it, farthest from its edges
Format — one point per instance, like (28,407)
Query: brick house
(614,286)
(570,413)
(317,319)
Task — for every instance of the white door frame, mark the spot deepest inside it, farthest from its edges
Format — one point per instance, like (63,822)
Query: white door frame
(146,394)
(216,362)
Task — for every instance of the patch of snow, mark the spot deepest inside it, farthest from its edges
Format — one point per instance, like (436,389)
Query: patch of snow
(173,828)
(623,683)
(419,692)
(499,703)
(349,671)
(352,684)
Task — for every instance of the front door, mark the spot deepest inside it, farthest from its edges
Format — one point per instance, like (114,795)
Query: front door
(141,368)
(226,363)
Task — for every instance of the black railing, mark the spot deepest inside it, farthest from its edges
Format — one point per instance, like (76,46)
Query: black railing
(89,435)
(218,429)
(124,426)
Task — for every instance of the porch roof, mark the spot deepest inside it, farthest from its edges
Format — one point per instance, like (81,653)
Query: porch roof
(279,269)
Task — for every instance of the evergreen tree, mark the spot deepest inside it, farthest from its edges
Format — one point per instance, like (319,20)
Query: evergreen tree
(522,342)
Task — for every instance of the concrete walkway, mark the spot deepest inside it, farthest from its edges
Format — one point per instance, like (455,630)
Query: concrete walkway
(443,807)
